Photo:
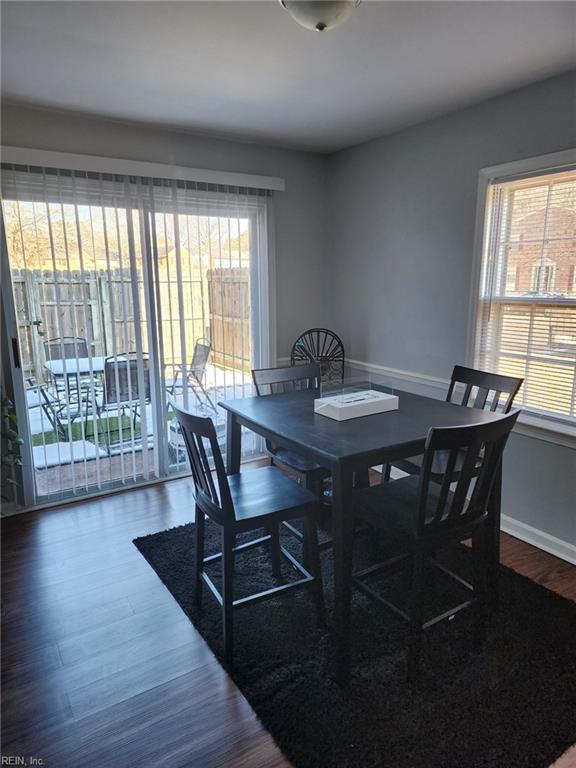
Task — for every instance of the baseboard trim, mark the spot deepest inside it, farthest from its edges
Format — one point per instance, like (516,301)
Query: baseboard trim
(554,546)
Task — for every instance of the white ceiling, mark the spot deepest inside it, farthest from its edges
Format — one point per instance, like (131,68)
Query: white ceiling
(246,70)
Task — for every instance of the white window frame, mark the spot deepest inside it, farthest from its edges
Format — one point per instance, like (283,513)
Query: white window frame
(542,427)
(543,281)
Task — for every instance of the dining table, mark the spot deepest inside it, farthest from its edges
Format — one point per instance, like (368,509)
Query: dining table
(348,449)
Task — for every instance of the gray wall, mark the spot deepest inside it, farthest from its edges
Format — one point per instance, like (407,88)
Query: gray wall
(402,220)
(300,212)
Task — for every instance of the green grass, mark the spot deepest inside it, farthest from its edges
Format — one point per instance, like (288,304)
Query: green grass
(118,429)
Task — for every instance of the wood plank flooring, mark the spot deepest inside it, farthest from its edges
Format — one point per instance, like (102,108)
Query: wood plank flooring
(101,667)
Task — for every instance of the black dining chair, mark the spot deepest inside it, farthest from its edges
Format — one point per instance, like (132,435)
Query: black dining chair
(270,381)
(322,346)
(240,503)
(424,514)
(472,388)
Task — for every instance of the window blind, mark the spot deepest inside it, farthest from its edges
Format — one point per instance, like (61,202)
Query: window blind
(526,321)
(130,292)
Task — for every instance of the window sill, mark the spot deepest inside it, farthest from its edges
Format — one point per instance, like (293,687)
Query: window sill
(549,430)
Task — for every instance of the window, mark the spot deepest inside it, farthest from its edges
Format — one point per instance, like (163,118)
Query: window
(526,318)
(163,285)
(543,277)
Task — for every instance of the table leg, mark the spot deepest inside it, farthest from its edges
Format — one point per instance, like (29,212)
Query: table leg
(342,532)
(233,444)
(494,539)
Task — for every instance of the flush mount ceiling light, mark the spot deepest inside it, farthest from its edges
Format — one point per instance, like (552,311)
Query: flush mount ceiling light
(319,15)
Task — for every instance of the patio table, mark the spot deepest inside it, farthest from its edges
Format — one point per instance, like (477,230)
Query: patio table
(81,366)
(74,376)
(347,448)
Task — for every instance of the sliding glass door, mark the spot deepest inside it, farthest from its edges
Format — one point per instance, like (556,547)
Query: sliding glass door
(128,295)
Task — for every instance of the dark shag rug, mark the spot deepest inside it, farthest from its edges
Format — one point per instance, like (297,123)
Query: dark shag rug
(510,705)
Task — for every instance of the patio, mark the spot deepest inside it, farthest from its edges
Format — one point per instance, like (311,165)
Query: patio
(85,460)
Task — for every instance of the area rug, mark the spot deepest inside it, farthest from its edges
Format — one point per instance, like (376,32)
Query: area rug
(510,705)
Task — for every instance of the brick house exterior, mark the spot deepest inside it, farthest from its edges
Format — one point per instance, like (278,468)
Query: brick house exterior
(552,273)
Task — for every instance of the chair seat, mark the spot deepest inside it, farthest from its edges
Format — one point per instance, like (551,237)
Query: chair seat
(394,505)
(297,462)
(264,493)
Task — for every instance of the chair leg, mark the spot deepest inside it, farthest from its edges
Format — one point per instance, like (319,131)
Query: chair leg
(480,566)
(415,612)
(275,549)
(227,595)
(311,531)
(313,485)
(199,561)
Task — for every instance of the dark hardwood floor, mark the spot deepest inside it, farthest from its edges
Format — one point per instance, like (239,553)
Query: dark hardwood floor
(100,666)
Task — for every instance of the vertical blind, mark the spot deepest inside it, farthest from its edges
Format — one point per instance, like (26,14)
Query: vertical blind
(138,272)
(526,323)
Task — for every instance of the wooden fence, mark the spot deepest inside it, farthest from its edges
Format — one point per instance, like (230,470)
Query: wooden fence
(99,306)
(229,300)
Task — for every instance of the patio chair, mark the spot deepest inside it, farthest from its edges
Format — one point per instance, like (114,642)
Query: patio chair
(193,376)
(122,390)
(65,348)
(56,411)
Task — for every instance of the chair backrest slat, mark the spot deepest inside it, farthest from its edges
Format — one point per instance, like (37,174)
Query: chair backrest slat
(481,397)
(212,494)
(489,387)
(471,455)
(496,400)
(445,485)
(465,478)
(269,381)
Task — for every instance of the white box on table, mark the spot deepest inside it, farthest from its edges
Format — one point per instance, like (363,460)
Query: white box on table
(353,405)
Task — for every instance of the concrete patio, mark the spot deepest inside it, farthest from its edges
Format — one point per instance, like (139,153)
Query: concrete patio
(80,464)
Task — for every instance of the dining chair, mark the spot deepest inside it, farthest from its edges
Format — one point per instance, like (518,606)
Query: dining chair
(322,346)
(472,388)
(423,515)
(241,503)
(194,374)
(270,381)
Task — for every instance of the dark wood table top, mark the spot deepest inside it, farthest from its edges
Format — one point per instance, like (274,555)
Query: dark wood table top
(401,433)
